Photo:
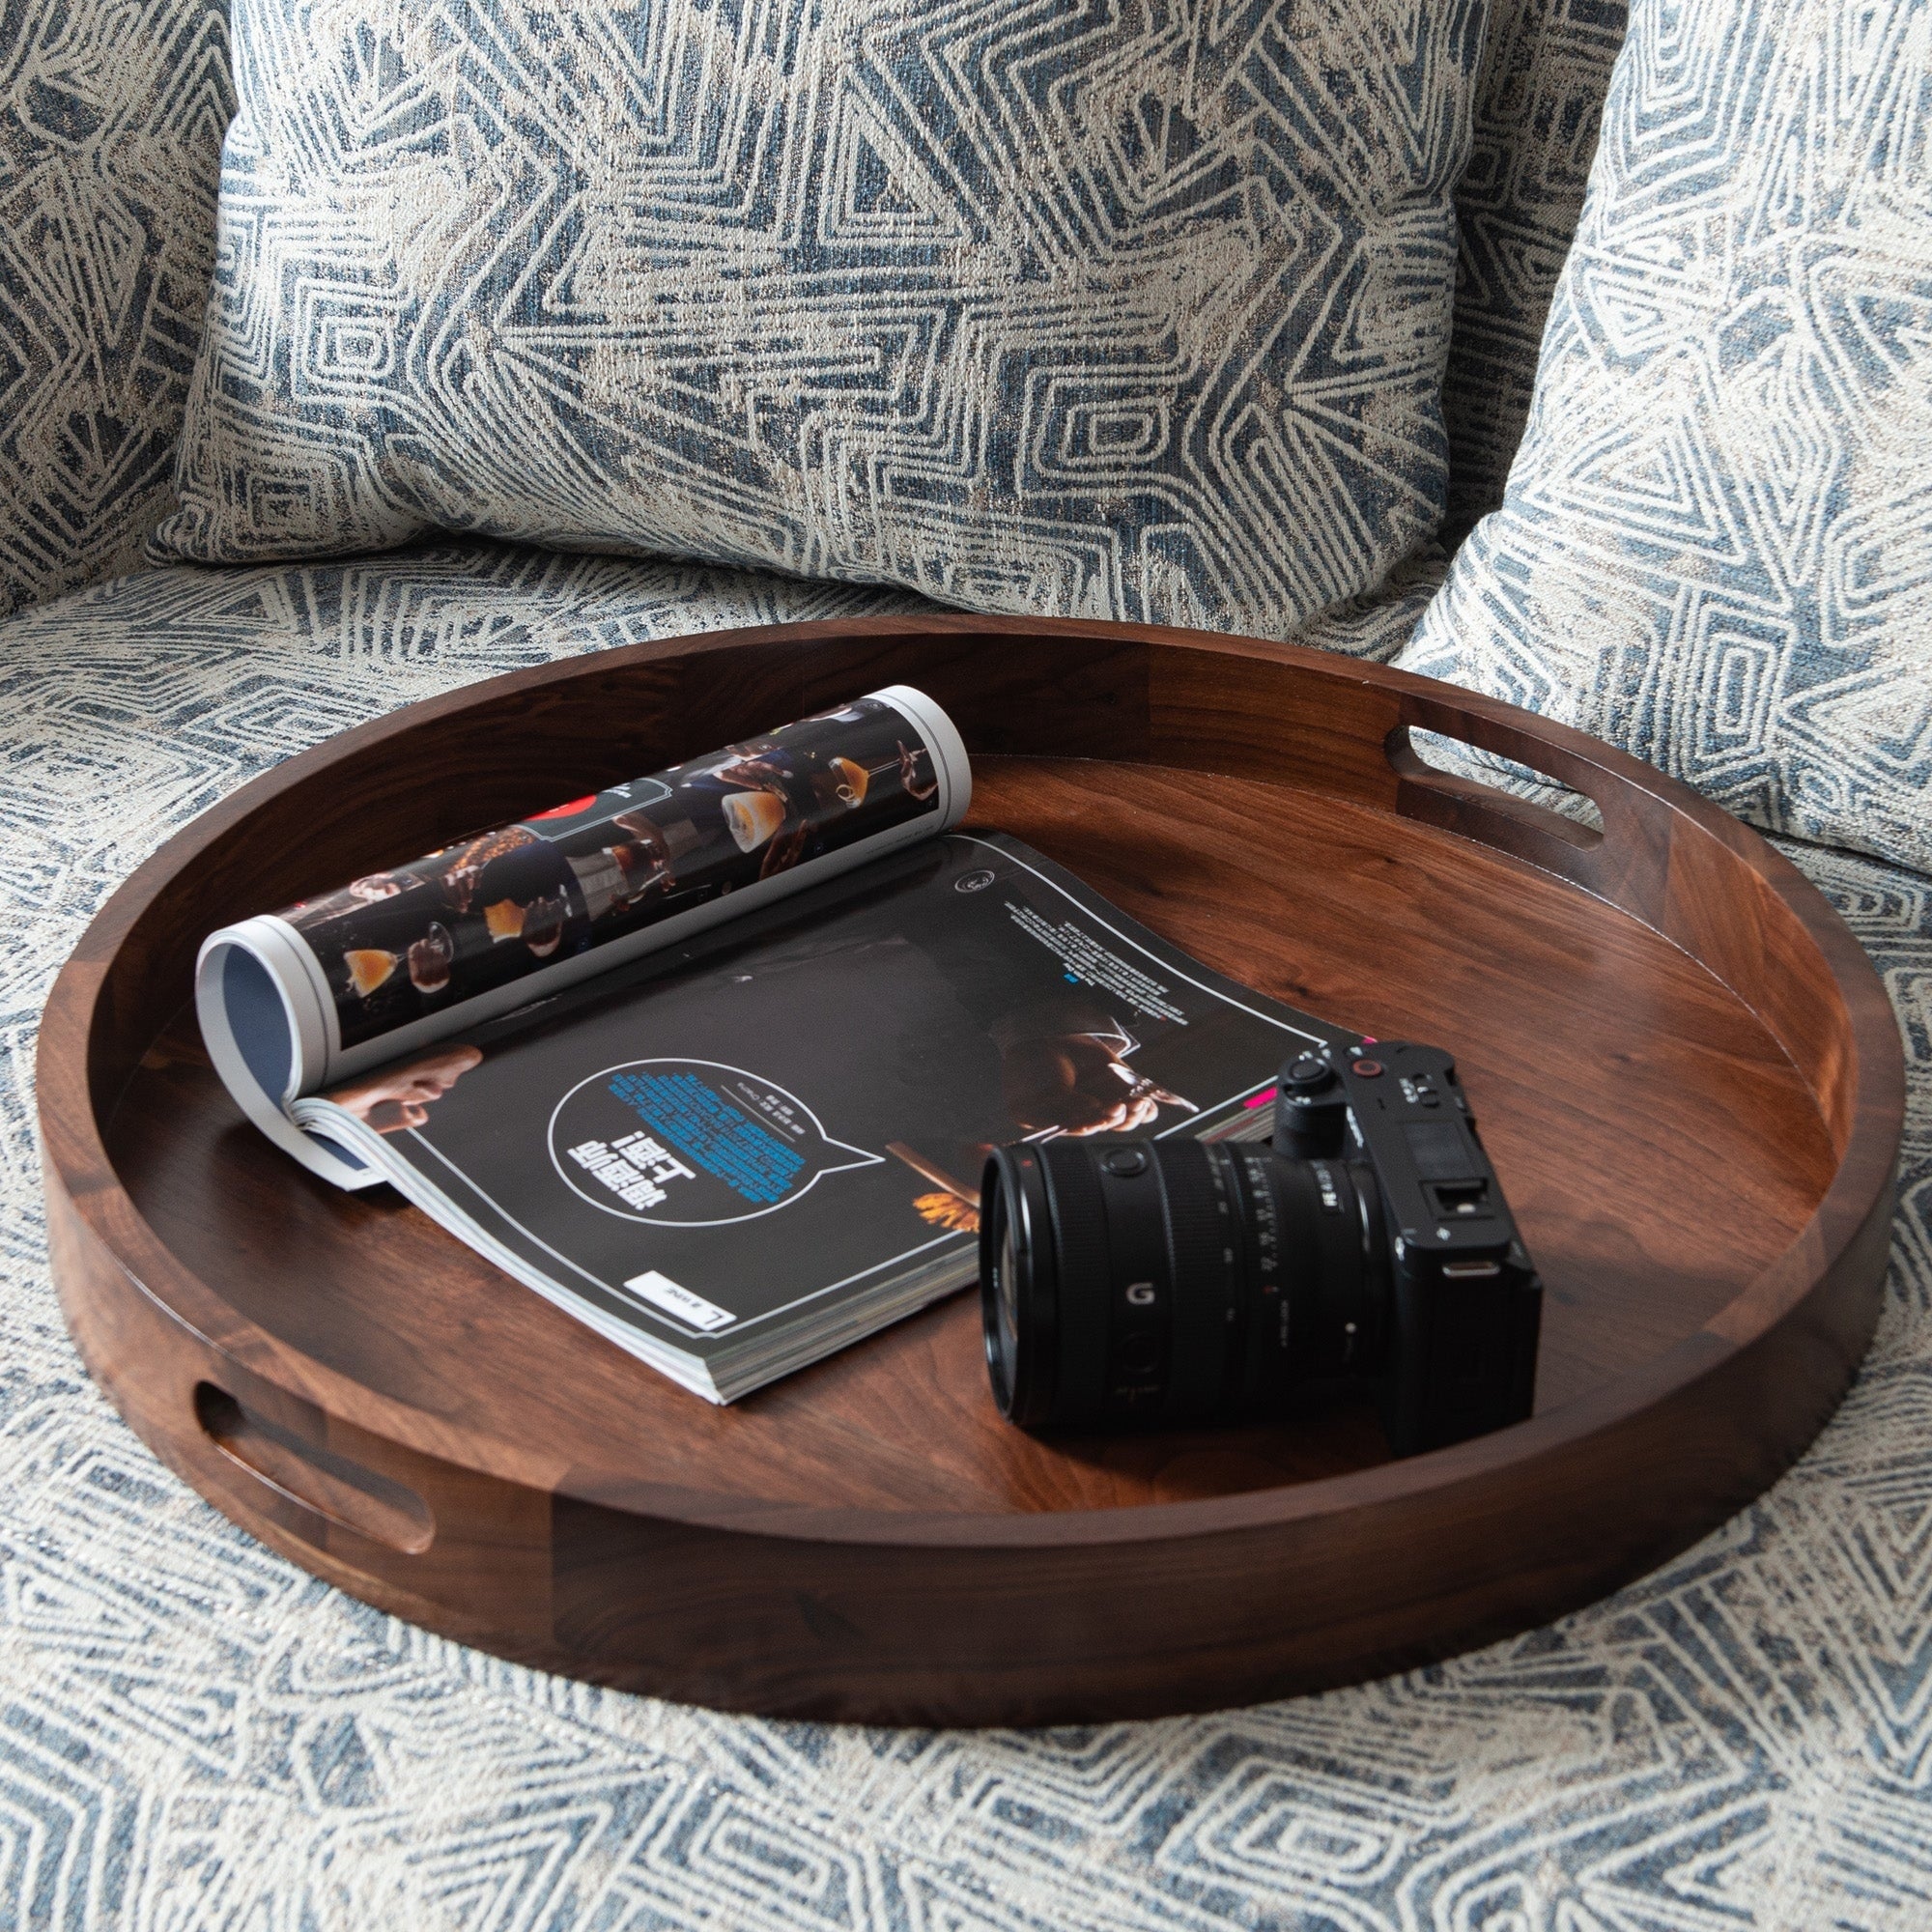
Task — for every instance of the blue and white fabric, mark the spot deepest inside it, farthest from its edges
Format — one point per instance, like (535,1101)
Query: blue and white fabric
(1539,101)
(1092,307)
(1716,545)
(196,1735)
(111,114)
(114,116)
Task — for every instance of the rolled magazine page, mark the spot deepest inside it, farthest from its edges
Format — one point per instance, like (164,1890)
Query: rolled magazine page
(295,1001)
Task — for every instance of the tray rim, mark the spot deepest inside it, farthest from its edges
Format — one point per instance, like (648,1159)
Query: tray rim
(78,1167)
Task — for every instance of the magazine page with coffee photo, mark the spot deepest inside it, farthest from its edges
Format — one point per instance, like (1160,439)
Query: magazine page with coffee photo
(736,1155)
(295,1001)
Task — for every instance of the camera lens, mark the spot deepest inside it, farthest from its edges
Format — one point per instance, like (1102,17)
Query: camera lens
(1172,1282)
(1017,1285)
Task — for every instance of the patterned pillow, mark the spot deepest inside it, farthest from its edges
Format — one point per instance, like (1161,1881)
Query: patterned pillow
(1716,545)
(1538,109)
(1097,307)
(111,114)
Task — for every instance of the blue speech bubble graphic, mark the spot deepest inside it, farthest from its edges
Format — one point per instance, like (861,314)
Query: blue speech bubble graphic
(679,1143)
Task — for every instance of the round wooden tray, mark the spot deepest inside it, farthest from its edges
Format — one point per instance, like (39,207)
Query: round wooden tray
(1687,1072)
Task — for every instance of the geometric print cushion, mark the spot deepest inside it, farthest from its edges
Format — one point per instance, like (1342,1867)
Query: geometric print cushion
(1716,544)
(197,1736)
(112,113)
(1104,310)
(1538,111)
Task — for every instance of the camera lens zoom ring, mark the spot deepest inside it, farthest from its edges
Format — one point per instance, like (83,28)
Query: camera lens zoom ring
(1201,1234)
(1079,1236)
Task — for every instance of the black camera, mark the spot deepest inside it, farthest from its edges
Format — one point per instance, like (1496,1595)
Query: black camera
(1172,1282)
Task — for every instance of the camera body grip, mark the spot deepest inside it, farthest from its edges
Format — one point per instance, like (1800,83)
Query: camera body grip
(1465,1304)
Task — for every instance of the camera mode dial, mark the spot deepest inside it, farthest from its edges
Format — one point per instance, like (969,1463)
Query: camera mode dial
(1311,1110)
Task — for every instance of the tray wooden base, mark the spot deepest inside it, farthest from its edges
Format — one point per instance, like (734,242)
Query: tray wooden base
(1686,1073)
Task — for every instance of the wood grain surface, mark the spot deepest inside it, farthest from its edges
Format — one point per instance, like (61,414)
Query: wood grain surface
(1685,1072)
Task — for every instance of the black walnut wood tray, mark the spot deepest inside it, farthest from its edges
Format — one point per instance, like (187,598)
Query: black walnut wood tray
(1687,1072)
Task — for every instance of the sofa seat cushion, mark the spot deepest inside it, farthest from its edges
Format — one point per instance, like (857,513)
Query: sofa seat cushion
(197,1732)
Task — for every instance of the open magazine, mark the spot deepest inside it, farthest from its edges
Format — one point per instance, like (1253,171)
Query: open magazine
(712,1059)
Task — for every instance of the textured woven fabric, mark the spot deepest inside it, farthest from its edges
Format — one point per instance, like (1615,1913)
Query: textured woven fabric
(1095,310)
(1539,99)
(111,114)
(197,1737)
(1715,547)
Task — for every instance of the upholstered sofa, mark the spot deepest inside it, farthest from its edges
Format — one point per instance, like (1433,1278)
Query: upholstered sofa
(195,1733)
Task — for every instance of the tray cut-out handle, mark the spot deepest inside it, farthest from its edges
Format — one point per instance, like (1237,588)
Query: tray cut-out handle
(316,1479)
(1576,849)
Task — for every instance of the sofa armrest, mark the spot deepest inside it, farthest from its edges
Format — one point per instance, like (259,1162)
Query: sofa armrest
(111,118)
